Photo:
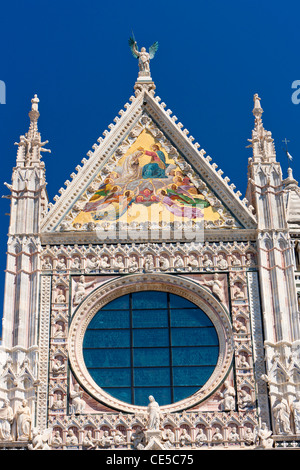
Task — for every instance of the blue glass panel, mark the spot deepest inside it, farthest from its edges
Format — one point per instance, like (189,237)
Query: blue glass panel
(106,338)
(151,357)
(123,394)
(161,394)
(152,376)
(119,303)
(107,357)
(180,302)
(193,356)
(150,338)
(194,336)
(180,393)
(189,317)
(149,299)
(191,375)
(111,377)
(111,319)
(150,318)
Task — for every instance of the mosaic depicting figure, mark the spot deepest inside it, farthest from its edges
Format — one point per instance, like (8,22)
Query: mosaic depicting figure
(140,180)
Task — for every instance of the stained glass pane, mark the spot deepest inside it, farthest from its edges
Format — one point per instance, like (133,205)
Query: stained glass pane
(153,319)
(150,343)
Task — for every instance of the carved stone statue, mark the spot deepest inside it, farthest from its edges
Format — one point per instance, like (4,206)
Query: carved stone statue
(228,396)
(6,419)
(78,403)
(216,287)
(295,407)
(40,440)
(23,418)
(281,413)
(80,289)
(143,56)
(153,414)
(264,438)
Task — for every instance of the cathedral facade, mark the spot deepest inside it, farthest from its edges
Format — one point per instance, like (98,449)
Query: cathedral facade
(151,306)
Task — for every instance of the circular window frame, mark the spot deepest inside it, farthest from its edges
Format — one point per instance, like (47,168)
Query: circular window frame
(178,285)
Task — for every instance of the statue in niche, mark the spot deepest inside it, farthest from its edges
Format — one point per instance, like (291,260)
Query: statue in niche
(133,265)
(235,261)
(119,438)
(243,363)
(201,438)
(207,263)
(58,403)
(71,439)
(61,264)
(143,56)
(222,263)
(164,263)
(59,331)
(178,263)
(78,404)
(238,293)
(106,440)
(23,418)
(217,435)
(250,262)
(233,436)
(47,263)
(88,440)
(281,413)
(80,289)
(60,298)
(56,439)
(6,419)
(104,263)
(149,263)
(153,414)
(92,263)
(239,326)
(249,437)
(295,408)
(192,263)
(57,366)
(138,439)
(185,439)
(76,263)
(169,438)
(216,287)
(119,264)
(245,399)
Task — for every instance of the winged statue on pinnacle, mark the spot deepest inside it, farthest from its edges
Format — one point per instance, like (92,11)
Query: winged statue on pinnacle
(143,56)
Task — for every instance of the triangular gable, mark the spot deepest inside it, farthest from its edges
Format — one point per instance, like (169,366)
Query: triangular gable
(123,182)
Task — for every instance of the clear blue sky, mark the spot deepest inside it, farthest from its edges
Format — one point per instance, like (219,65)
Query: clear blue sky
(213,56)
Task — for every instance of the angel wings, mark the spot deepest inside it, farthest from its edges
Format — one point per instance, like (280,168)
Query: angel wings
(143,56)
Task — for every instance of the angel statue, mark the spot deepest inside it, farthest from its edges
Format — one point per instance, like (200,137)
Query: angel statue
(143,56)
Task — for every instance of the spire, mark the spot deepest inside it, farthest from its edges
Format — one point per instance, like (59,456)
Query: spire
(30,145)
(262,142)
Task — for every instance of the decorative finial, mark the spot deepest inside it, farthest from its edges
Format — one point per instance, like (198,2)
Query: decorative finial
(257,110)
(144,58)
(35,101)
